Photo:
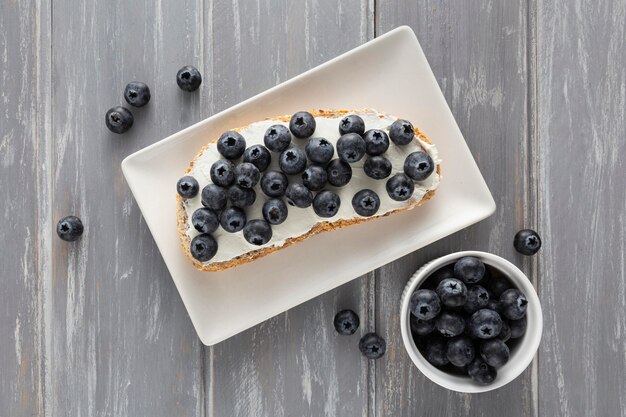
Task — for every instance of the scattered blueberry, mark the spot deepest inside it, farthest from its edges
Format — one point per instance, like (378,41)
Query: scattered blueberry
(247,175)
(70,228)
(485,324)
(514,304)
(421,327)
(223,173)
(274,183)
(350,148)
(277,138)
(505,332)
(257,232)
(241,197)
(298,195)
(372,346)
(292,161)
(400,187)
(346,322)
(460,351)
(259,156)
(188,78)
(425,304)
(233,219)
(518,327)
(481,372)
(452,292)
(137,94)
(314,178)
(366,203)
(376,142)
(302,124)
(377,167)
(231,145)
(351,124)
(419,166)
(477,299)
(214,197)
(205,220)
(436,351)
(203,247)
(450,324)
(326,203)
(495,352)
(319,150)
(275,211)
(401,132)
(119,119)
(339,173)
(527,242)
(187,187)
(469,270)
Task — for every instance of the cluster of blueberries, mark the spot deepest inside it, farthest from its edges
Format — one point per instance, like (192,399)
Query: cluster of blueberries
(242,168)
(464,318)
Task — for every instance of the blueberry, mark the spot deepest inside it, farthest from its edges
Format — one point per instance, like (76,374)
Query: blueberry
(419,166)
(231,145)
(314,178)
(469,269)
(485,324)
(505,332)
(421,327)
(326,203)
(241,197)
(319,150)
(187,187)
(401,132)
(205,220)
(350,148)
(495,352)
(247,175)
(277,138)
(257,232)
(203,247)
(514,304)
(481,372)
(527,242)
(377,167)
(376,142)
(70,228)
(452,292)
(460,351)
(366,203)
(435,351)
(275,211)
(274,183)
(439,275)
(400,187)
(346,322)
(518,327)
(233,219)
(223,173)
(214,197)
(477,298)
(119,119)
(137,94)
(298,195)
(425,304)
(259,156)
(339,173)
(372,346)
(494,305)
(292,161)
(188,78)
(302,124)
(498,284)
(450,324)
(351,124)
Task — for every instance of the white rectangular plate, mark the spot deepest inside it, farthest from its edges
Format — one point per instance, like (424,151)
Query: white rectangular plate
(389,74)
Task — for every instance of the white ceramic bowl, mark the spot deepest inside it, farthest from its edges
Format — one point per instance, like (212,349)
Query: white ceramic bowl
(521,356)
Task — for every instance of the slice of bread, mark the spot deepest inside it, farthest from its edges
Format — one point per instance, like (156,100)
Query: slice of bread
(249,253)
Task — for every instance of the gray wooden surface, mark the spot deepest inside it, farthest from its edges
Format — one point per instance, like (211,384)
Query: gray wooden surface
(97,328)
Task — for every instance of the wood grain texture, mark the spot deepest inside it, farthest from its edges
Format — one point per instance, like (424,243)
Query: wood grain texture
(478,53)
(582,132)
(294,364)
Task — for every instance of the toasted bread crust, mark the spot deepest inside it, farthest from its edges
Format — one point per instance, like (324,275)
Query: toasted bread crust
(322,226)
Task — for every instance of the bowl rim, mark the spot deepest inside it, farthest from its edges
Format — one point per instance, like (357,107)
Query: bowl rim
(524,352)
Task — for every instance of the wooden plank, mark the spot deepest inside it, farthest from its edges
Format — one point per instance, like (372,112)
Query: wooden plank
(119,339)
(582,127)
(478,52)
(295,363)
